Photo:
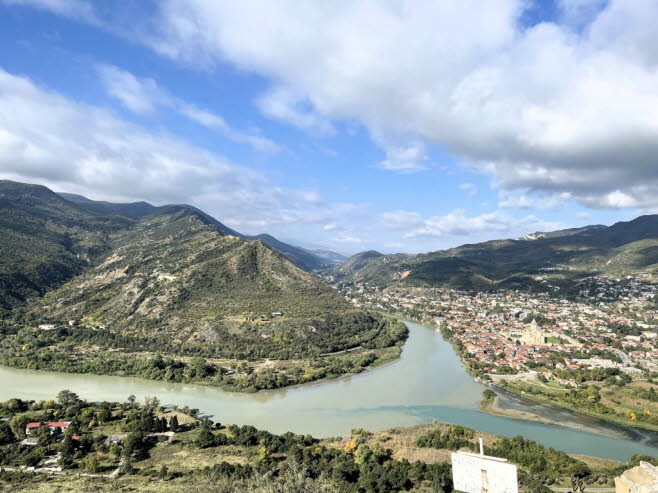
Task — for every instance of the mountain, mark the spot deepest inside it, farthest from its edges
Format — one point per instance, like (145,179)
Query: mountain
(561,232)
(555,258)
(169,277)
(359,261)
(134,209)
(329,255)
(302,258)
(174,276)
(45,240)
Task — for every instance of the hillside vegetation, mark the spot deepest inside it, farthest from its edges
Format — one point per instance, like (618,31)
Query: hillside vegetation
(127,446)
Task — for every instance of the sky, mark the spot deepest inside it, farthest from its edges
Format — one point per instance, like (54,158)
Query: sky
(395,125)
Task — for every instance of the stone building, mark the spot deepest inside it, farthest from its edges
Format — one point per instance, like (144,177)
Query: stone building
(640,479)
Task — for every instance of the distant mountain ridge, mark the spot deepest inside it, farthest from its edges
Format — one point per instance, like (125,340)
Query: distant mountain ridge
(558,258)
(562,232)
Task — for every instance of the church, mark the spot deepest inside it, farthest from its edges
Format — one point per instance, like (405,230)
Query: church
(533,335)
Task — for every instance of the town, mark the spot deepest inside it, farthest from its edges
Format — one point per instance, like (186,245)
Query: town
(602,334)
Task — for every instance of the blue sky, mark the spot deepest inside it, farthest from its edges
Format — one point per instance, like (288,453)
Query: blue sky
(391,125)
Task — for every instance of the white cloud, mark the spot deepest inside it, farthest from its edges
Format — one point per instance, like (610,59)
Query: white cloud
(144,96)
(524,200)
(86,149)
(547,108)
(470,188)
(76,9)
(404,159)
(138,95)
(497,223)
(285,105)
(400,219)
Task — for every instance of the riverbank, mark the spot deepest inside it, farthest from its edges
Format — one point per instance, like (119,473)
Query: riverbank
(230,375)
(140,447)
(616,420)
(495,407)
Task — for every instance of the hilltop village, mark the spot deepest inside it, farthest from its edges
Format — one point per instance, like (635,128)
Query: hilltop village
(599,338)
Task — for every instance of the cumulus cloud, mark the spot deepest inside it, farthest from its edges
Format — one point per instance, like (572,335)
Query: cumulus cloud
(545,108)
(497,223)
(86,149)
(404,159)
(145,96)
(285,105)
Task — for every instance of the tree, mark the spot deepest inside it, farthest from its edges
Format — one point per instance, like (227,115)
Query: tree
(173,424)
(164,470)
(103,415)
(18,423)
(127,466)
(6,435)
(66,453)
(67,398)
(593,395)
(90,464)
(205,438)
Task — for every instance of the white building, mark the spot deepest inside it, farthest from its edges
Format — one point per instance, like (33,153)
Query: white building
(479,473)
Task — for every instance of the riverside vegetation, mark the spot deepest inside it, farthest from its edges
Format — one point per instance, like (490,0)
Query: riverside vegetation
(127,446)
(171,294)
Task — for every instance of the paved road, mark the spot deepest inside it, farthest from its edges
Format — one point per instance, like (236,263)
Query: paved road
(626,361)
(588,489)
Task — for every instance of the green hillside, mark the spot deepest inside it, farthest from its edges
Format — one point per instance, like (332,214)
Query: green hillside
(45,240)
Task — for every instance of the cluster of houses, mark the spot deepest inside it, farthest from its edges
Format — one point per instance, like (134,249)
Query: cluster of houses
(511,331)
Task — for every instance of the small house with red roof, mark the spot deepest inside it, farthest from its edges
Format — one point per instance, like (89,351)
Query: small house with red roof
(55,426)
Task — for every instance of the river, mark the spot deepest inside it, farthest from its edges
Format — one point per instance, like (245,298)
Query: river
(427,383)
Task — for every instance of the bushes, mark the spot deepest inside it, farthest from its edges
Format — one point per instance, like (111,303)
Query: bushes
(537,458)
(455,438)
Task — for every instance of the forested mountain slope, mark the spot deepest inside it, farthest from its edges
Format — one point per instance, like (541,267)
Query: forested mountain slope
(45,240)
